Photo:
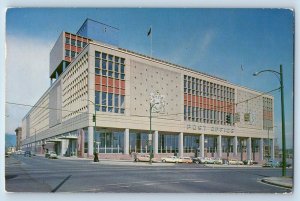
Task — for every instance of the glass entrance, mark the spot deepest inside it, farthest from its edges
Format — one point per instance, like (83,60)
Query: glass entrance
(109,142)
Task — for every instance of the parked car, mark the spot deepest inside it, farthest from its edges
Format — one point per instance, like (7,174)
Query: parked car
(272,163)
(27,154)
(170,159)
(235,162)
(196,160)
(185,160)
(142,158)
(218,161)
(51,155)
(207,160)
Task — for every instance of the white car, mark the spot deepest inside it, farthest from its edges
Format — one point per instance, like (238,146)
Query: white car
(52,155)
(170,159)
(235,162)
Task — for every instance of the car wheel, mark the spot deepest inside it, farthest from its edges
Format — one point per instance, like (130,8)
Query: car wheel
(197,162)
(163,161)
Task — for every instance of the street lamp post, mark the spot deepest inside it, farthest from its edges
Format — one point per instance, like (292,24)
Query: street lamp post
(96,159)
(155,100)
(280,73)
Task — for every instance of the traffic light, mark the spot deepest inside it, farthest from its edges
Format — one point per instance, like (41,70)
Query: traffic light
(228,119)
(94,118)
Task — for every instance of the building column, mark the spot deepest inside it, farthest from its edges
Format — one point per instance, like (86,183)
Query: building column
(261,149)
(219,146)
(272,148)
(90,141)
(180,144)
(155,142)
(201,145)
(126,141)
(64,147)
(249,152)
(235,144)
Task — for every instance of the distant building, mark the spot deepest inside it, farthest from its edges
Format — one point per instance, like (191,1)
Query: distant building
(18,137)
(90,75)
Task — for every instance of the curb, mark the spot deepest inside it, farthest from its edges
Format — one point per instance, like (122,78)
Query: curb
(279,184)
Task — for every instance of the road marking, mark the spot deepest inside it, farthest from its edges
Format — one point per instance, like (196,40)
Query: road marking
(151,184)
(198,181)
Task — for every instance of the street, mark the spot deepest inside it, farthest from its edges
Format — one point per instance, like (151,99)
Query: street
(38,174)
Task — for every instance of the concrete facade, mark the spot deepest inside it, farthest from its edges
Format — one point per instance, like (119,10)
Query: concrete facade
(115,85)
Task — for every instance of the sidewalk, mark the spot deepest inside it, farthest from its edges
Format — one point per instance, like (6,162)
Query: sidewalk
(231,166)
(118,162)
(286,182)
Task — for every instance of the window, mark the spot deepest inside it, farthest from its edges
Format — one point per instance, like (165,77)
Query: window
(117,75)
(110,57)
(84,44)
(122,60)
(72,42)
(122,76)
(104,55)
(117,67)
(97,100)
(97,63)
(110,99)
(67,53)
(73,54)
(97,71)
(67,40)
(97,54)
(117,59)
(104,94)
(122,101)
(116,100)
(103,64)
(78,43)
(122,68)
(110,65)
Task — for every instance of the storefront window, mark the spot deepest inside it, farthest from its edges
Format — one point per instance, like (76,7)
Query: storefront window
(190,143)
(138,143)
(109,142)
(167,143)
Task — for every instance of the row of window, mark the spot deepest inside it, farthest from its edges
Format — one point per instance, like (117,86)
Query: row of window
(111,67)
(204,88)
(109,102)
(74,42)
(205,115)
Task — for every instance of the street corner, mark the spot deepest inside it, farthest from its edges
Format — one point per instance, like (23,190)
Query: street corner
(285,182)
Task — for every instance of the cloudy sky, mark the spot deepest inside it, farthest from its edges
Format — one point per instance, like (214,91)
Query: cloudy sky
(214,41)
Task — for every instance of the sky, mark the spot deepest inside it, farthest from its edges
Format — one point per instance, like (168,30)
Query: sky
(213,41)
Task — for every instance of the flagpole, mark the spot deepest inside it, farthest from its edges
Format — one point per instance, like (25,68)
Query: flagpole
(151,38)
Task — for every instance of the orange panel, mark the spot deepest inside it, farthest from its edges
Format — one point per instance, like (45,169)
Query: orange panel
(185,97)
(78,49)
(104,88)
(67,58)
(117,91)
(122,91)
(104,80)
(185,102)
(67,35)
(123,84)
(97,87)
(67,46)
(117,84)
(110,89)
(110,81)
(73,48)
(97,79)
(73,37)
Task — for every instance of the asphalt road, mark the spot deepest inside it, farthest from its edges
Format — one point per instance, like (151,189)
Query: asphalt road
(38,174)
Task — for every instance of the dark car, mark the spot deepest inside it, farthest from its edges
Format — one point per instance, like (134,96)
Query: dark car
(27,154)
(196,160)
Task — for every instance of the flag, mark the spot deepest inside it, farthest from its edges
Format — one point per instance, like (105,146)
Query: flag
(149,32)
